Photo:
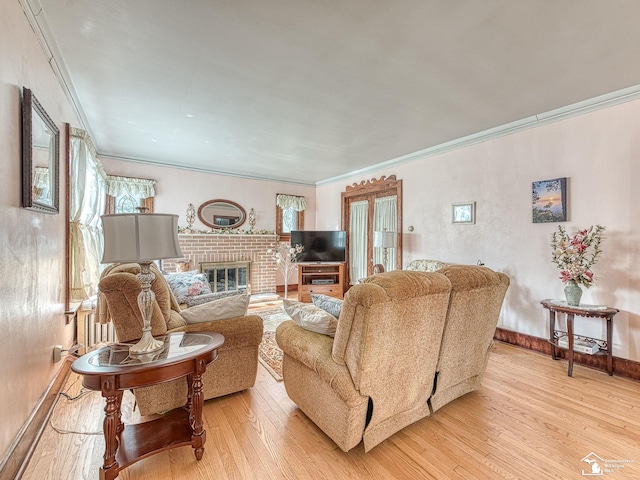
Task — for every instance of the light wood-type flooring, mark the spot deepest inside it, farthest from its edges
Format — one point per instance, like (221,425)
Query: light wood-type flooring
(528,421)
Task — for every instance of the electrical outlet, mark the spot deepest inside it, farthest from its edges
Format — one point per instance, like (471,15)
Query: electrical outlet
(57,353)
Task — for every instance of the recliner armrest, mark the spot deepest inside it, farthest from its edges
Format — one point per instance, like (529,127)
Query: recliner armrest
(313,350)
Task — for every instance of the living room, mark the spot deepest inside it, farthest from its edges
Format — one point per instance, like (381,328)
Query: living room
(594,145)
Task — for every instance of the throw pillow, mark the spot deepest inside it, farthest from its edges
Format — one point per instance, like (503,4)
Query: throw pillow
(310,317)
(209,297)
(187,284)
(328,304)
(230,307)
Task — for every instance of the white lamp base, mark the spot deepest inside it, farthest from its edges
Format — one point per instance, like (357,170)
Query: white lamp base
(147,343)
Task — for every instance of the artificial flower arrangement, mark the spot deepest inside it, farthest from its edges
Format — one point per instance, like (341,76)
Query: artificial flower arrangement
(284,256)
(225,231)
(575,255)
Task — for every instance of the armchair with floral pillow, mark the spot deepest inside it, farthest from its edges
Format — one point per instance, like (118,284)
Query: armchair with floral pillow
(235,368)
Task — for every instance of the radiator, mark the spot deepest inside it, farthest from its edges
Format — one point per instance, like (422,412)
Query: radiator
(92,334)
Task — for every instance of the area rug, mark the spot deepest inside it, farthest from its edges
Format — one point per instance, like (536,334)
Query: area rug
(269,354)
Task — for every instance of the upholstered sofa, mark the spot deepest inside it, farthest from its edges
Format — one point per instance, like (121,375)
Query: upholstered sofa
(406,343)
(235,368)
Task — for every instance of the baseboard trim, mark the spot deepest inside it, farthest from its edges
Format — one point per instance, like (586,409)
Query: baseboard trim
(22,448)
(621,366)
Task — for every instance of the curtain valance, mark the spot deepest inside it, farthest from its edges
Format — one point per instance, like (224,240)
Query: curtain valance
(291,201)
(137,187)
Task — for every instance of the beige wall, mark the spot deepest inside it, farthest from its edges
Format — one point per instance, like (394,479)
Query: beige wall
(599,154)
(176,188)
(31,243)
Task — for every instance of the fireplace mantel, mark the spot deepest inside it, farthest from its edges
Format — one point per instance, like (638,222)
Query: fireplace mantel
(211,247)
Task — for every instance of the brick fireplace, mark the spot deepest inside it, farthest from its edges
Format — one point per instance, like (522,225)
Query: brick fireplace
(212,248)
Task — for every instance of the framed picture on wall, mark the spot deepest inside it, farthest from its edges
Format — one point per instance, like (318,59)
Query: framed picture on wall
(549,200)
(464,213)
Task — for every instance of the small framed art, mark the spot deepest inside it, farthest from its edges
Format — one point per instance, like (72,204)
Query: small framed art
(549,200)
(464,213)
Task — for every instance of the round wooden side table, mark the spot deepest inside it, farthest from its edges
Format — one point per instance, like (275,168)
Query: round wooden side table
(112,370)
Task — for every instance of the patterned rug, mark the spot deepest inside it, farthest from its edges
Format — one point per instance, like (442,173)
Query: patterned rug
(270,355)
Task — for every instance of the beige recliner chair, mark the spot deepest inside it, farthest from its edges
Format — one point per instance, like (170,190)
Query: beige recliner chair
(477,294)
(376,376)
(235,368)
(379,375)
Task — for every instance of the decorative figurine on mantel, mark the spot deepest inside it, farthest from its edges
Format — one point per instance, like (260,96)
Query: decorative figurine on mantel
(191,215)
(574,256)
(183,264)
(252,219)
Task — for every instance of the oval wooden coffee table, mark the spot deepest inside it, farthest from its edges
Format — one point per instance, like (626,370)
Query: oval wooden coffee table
(112,370)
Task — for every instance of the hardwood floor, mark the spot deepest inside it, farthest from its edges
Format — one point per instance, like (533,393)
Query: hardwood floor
(528,421)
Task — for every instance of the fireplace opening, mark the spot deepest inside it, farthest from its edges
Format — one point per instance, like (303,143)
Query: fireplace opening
(228,276)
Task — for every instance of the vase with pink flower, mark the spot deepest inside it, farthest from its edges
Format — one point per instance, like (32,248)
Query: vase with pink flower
(575,255)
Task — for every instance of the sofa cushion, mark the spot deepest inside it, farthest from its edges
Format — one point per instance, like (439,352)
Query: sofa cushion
(310,317)
(230,307)
(209,297)
(328,304)
(187,284)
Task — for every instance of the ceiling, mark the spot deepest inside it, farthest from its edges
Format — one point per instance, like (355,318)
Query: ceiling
(306,90)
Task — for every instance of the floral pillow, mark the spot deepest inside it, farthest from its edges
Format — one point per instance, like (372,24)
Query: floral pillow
(187,284)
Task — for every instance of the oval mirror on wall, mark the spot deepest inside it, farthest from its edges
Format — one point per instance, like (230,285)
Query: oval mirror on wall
(221,214)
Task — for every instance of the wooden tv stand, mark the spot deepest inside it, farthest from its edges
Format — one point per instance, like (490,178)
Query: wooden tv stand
(318,277)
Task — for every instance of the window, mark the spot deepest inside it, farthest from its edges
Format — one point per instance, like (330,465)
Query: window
(129,195)
(289,215)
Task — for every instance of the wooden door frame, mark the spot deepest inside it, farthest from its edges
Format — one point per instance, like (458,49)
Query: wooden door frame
(368,190)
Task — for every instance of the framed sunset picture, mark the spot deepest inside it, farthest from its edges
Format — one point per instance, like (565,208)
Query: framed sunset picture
(549,200)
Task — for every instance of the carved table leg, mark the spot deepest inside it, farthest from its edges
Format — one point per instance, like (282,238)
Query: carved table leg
(198,437)
(609,346)
(552,329)
(570,333)
(120,427)
(189,395)
(111,427)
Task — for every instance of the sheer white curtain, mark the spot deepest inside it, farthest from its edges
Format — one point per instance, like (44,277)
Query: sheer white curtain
(385,217)
(88,188)
(358,226)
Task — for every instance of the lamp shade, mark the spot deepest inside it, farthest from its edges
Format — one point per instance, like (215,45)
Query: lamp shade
(140,237)
(384,239)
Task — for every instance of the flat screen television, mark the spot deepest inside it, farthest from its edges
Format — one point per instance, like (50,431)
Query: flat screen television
(320,246)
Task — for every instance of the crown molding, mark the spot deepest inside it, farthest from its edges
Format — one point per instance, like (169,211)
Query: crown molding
(32,10)
(545,118)
(206,170)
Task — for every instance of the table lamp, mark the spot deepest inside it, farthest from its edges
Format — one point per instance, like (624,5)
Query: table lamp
(384,240)
(141,238)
